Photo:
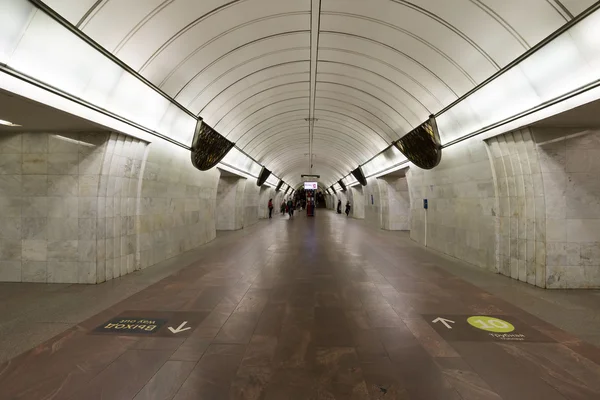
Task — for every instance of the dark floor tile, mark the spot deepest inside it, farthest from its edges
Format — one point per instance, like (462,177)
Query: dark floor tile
(382,380)
(505,374)
(368,346)
(419,374)
(238,328)
(340,374)
(292,384)
(191,350)
(331,328)
(260,351)
(61,366)
(213,375)
(253,301)
(383,316)
(250,383)
(553,374)
(271,320)
(167,381)
(207,299)
(158,343)
(467,382)
(429,338)
(125,377)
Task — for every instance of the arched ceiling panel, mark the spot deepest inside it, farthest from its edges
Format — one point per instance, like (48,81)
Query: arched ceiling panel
(356,147)
(284,140)
(256,98)
(220,93)
(277,95)
(379,96)
(331,123)
(259,39)
(232,97)
(262,56)
(338,79)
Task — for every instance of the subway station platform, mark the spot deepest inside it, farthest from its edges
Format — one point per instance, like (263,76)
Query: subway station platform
(308,308)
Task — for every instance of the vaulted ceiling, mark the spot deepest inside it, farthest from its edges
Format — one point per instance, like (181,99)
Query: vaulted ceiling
(340,79)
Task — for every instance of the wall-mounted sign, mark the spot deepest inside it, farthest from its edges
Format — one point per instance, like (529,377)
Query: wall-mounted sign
(310,185)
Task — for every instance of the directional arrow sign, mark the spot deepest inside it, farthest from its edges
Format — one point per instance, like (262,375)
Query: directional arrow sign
(444,321)
(180,328)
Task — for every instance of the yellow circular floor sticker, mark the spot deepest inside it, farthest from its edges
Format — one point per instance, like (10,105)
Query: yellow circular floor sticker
(490,324)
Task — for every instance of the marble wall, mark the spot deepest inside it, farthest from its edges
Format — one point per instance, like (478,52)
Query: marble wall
(357,202)
(92,206)
(250,202)
(460,220)
(343,196)
(177,204)
(373,208)
(520,217)
(230,203)
(396,209)
(63,198)
(569,162)
(525,204)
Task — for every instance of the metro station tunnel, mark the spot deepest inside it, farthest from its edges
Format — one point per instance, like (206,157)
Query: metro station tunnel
(300,199)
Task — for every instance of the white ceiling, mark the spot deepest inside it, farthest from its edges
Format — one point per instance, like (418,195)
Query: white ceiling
(381,66)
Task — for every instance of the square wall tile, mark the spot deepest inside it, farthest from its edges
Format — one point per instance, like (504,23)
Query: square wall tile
(34,250)
(34,271)
(63,185)
(63,143)
(63,251)
(34,228)
(10,228)
(35,185)
(10,271)
(35,143)
(10,250)
(11,185)
(88,185)
(86,273)
(35,207)
(10,206)
(11,143)
(10,164)
(63,229)
(35,164)
(63,207)
(62,272)
(63,164)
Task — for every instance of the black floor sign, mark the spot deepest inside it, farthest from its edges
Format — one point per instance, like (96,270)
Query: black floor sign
(159,323)
(132,325)
(477,328)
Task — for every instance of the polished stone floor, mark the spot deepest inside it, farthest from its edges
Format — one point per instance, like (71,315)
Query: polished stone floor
(323,308)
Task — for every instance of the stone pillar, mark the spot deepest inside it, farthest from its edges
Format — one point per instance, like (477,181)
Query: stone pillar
(68,205)
(230,203)
(396,212)
(250,202)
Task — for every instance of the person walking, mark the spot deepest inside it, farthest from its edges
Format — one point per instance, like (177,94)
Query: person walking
(270,208)
(339,207)
(290,205)
(347,208)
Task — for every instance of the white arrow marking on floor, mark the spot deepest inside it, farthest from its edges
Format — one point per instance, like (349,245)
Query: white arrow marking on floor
(444,321)
(180,328)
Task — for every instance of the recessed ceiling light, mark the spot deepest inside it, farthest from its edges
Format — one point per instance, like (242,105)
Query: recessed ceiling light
(7,123)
